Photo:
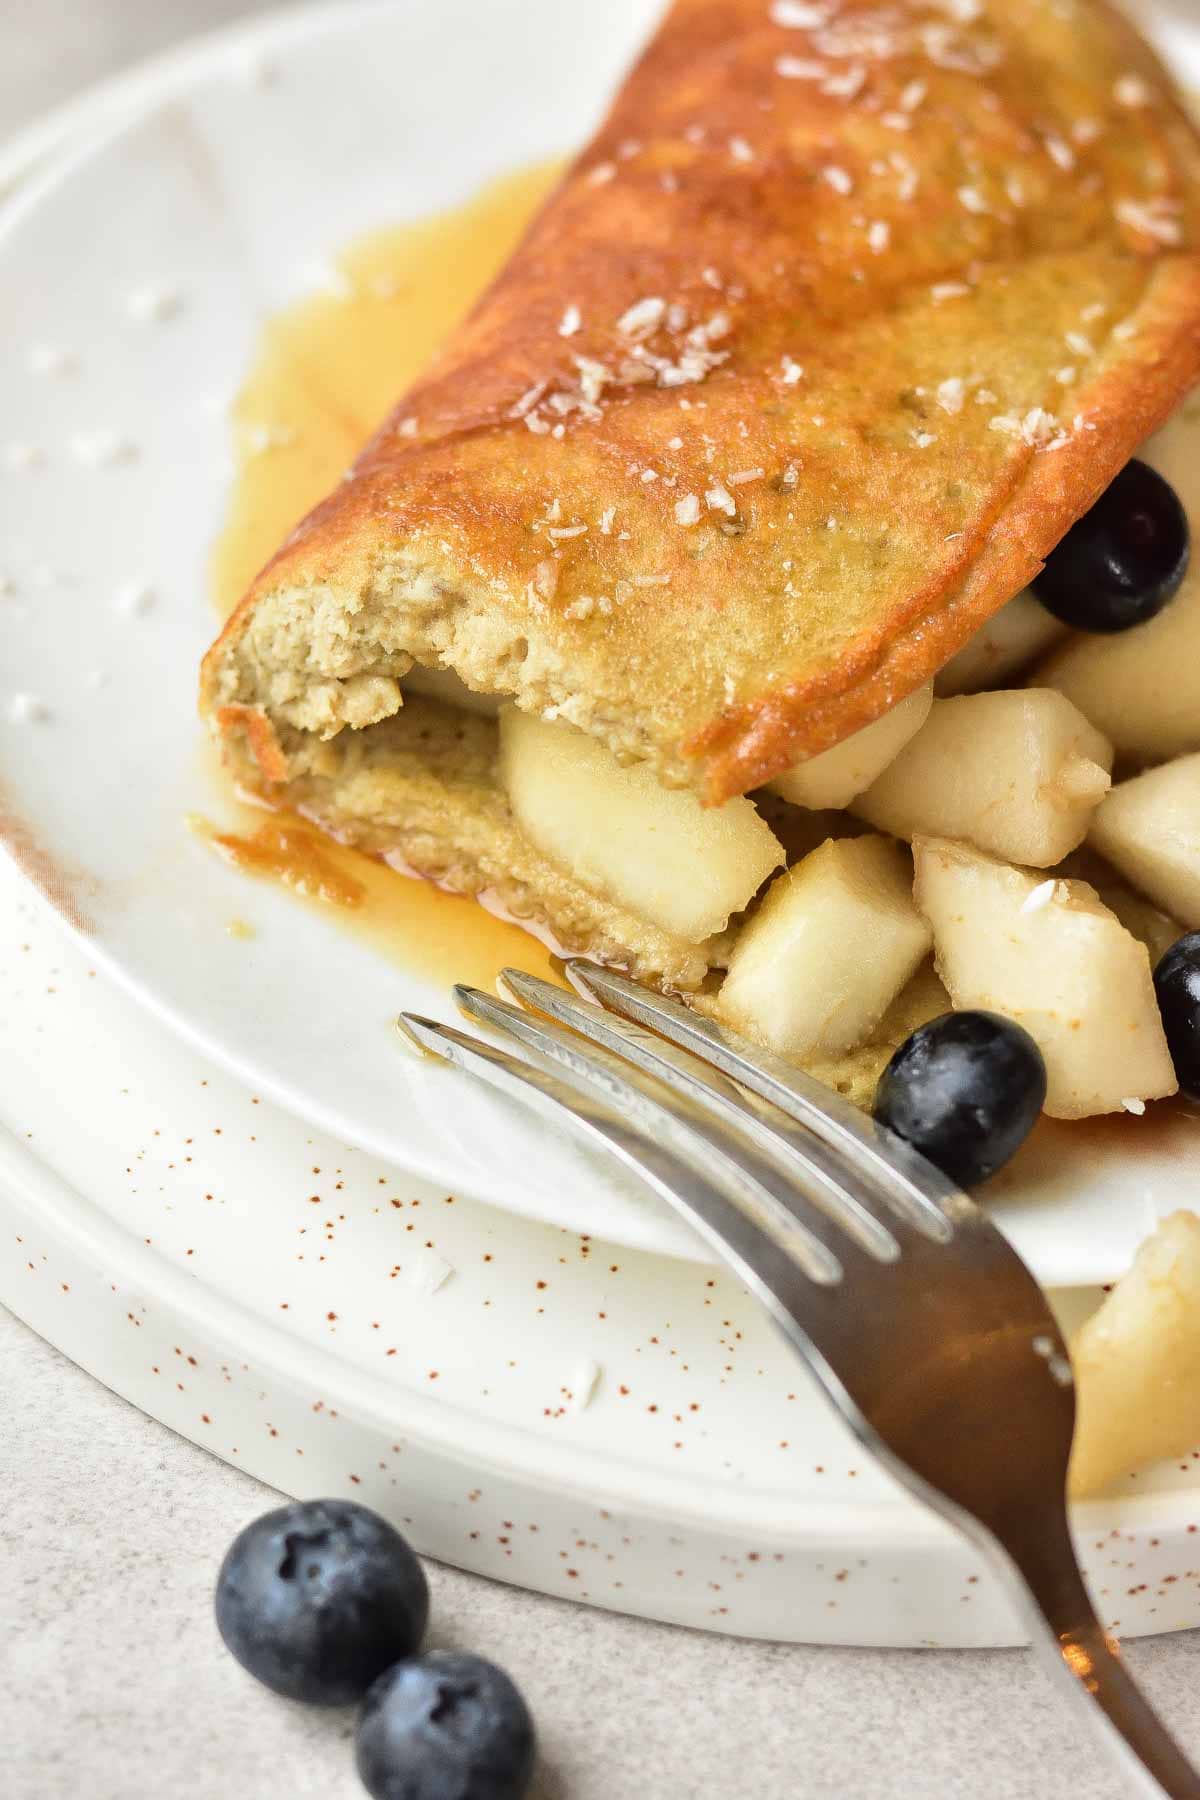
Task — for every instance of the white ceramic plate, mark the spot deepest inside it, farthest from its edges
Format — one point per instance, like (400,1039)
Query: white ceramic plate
(228,186)
(272,1296)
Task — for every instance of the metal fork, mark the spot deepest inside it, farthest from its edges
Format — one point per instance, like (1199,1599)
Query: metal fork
(920,1323)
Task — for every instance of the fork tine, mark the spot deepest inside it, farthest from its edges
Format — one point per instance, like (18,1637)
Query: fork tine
(912,1187)
(776,1264)
(798,1154)
(689,1125)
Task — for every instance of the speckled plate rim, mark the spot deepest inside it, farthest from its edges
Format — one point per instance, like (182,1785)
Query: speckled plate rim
(214,1318)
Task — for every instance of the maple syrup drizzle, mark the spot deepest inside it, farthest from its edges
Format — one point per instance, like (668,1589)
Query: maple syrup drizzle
(326,373)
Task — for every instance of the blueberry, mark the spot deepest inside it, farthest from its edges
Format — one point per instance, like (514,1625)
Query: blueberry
(445,1727)
(317,1599)
(1177,984)
(1122,562)
(965,1090)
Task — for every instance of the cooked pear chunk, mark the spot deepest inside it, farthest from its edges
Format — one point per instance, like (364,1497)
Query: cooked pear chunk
(1141,688)
(1018,773)
(834,778)
(1157,930)
(1051,956)
(1137,1362)
(655,850)
(833,943)
(1006,644)
(1149,829)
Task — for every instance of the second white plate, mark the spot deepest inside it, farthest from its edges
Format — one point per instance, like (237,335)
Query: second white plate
(113,473)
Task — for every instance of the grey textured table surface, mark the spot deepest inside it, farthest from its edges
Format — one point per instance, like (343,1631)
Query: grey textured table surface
(113,1684)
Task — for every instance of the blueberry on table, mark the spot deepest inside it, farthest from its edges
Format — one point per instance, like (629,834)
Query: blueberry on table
(319,1598)
(1177,985)
(446,1726)
(965,1090)
(1122,562)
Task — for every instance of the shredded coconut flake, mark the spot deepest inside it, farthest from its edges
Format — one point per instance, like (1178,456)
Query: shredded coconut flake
(799,68)
(799,15)
(740,150)
(101,449)
(601,173)
(848,85)
(134,599)
(558,532)
(951,394)
(1060,152)
(972,200)
(153,304)
(48,359)
(912,95)
(23,456)
(879,236)
(840,180)
(719,499)
(1081,345)
(27,709)
(644,317)
(430,1272)
(791,372)
(687,510)
(1155,218)
(1040,897)
(1131,90)
(583,1384)
(1133,1105)
(570,322)
(742,476)
(948,290)
(606,520)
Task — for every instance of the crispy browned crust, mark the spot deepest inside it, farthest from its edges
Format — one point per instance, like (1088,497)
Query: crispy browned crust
(886,525)
(251,725)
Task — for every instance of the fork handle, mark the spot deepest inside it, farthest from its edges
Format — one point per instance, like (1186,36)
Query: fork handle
(1074,1645)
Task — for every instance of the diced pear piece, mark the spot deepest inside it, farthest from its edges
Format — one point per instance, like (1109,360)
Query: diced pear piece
(834,778)
(833,943)
(1018,773)
(1007,643)
(1141,688)
(1149,829)
(1157,930)
(621,833)
(1137,1362)
(1050,956)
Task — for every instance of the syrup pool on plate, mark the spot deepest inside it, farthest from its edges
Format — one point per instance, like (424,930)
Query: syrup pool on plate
(327,372)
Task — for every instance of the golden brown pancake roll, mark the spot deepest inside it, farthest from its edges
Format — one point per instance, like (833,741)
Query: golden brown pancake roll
(842,319)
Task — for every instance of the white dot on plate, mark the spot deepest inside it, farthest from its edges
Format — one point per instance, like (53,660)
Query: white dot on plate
(27,709)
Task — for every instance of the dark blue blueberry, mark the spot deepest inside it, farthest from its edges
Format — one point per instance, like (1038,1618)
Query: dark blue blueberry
(1122,562)
(1177,984)
(319,1598)
(445,1727)
(965,1090)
